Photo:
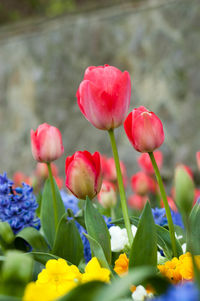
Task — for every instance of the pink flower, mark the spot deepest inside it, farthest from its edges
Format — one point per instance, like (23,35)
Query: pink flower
(109,169)
(144,161)
(171,203)
(137,201)
(107,196)
(42,170)
(144,130)
(104,96)
(198,159)
(46,143)
(142,184)
(83,174)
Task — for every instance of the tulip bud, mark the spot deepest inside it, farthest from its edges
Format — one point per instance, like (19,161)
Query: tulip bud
(171,203)
(107,196)
(184,190)
(198,159)
(46,143)
(144,130)
(137,201)
(42,170)
(109,169)
(144,161)
(142,184)
(83,174)
(104,96)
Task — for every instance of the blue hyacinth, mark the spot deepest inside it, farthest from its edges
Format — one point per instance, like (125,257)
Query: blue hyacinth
(185,292)
(160,218)
(17,205)
(71,202)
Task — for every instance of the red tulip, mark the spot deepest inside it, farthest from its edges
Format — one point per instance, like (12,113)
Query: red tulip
(137,201)
(107,196)
(142,184)
(19,178)
(42,170)
(46,143)
(145,162)
(171,203)
(144,130)
(109,170)
(83,174)
(104,96)
(198,159)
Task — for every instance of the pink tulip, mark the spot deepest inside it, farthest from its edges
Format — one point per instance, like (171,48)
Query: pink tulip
(83,174)
(198,159)
(136,201)
(109,170)
(46,143)
(107,196)
(144,130)
(171,203)
(142,184)
(42,170)
(104,96)
(144,161)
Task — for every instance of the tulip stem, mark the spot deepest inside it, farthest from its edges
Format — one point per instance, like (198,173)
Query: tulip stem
(164,198)
(53,195)
(121,187)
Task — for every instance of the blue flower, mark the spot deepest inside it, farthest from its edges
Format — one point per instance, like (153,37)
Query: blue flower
(160,218)
(17,205)
(185,292)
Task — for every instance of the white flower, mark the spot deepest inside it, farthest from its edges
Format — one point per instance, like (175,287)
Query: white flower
(134,230)
(119,238)
(140,294)
(184,248)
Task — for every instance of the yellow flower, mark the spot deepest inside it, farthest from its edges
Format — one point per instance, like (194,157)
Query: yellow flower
(59,275)
(121,265)
(34,292)
(179,269)
(93,271)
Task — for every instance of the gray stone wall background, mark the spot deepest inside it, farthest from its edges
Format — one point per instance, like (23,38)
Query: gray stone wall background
(42,63)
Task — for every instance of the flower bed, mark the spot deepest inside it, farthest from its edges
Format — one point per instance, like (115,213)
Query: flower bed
(86,243)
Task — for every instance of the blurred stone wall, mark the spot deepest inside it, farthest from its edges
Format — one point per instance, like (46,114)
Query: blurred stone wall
(42,63)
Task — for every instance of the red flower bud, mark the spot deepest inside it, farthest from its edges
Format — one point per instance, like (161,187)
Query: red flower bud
(198,159)
(144,130)
(46,143)
(83,174)
(142,184)
(144,161)
(104,96)
(137,201)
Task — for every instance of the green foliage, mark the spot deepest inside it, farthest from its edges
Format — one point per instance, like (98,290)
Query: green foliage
(97,228)
(47,211)
(144,248)
(68,243)
(194,219)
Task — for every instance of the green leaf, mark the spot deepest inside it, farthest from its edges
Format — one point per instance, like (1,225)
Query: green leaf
(87,291)
(33,237)
(97,228)
(47,211)
(9,298)
(16,272)
(121,286)
(144,247)
(194,219)
(68,243)
(42,257)
(6,235)
(98,252)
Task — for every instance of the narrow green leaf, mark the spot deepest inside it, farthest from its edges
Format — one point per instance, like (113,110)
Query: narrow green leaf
(33,237)
(144,247)
(42,257)
(68,243)
(97,228)
(84,292)
(47,211)
(98,252)
(194,219)
(6,235)
(9,298)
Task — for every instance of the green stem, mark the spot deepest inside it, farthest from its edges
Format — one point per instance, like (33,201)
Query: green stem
(164,198)
(53,194)
(121,186)
(112,213)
